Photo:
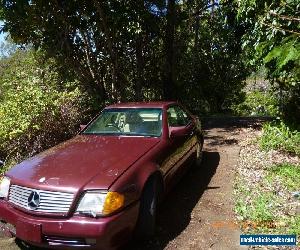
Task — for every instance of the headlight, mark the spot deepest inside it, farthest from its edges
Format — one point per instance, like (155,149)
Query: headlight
(99,204)
(4,187)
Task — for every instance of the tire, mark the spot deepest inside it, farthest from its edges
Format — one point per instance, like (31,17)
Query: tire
(146,222)
(24,245)
(199,153)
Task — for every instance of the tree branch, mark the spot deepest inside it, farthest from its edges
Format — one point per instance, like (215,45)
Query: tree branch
(285,17)
(116,88)
(279,28)
(199,12)
(87,52)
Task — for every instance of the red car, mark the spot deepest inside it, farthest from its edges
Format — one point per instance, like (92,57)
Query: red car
(102,187)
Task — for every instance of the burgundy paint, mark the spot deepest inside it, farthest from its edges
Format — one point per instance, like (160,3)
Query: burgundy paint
(89,162)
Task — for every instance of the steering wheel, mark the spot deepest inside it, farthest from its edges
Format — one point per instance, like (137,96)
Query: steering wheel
(112,125)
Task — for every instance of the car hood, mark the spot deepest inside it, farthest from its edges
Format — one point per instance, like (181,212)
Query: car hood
(71,165)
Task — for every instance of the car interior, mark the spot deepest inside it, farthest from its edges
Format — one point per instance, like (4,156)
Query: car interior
(141,123)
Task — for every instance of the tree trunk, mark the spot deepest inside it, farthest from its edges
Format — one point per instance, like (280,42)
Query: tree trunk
(212,3)
(116,85)
(168,81)
(139,68)
(197,24)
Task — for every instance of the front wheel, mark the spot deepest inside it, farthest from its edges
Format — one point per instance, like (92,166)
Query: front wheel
(145,227)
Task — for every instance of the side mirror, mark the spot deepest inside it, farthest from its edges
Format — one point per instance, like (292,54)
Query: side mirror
(82,127)
(178,132)
(196,117)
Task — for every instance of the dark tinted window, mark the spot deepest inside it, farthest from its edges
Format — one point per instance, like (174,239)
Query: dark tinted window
(177,117)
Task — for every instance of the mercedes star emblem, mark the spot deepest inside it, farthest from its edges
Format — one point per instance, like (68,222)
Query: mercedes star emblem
(34,200)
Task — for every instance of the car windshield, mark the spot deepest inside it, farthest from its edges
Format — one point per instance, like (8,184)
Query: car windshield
(127,121)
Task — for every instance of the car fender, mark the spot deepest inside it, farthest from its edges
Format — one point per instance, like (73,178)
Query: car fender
(133,181)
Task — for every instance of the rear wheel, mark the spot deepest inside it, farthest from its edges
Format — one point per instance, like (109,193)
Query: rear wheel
(145,227)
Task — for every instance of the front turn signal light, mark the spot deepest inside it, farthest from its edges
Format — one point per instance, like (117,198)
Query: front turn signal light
(113,202)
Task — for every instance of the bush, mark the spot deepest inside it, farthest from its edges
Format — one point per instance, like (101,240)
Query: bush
(281,137)
(257,103)
(37,108)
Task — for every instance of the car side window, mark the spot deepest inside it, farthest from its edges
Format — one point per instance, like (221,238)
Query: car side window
(177,117)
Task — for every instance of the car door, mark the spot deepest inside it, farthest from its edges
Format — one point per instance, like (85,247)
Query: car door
(180,145)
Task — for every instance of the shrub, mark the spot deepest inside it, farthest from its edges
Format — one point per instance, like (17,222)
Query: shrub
(281,137)
(37,108)
(257,103)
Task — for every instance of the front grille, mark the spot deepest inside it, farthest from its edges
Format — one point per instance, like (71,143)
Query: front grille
(49,202)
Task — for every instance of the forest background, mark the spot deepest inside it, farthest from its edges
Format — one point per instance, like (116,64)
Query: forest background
(62,61)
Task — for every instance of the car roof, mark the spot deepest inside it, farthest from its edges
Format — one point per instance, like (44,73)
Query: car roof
(157,104)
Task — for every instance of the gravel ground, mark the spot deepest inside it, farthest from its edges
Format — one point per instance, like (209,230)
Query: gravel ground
(252,169)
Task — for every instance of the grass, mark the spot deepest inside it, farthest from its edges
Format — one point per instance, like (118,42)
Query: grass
(288,174)
(268,205)
(260,208)
(294,225)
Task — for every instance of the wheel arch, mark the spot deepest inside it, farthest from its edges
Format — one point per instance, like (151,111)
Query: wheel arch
(156,176)
(133,181)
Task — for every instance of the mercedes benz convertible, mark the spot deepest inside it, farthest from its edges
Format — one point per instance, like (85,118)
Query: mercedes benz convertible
(102,187)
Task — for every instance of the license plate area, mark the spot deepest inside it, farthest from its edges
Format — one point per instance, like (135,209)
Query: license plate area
(29,231)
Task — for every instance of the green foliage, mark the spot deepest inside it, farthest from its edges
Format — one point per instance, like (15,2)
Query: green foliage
(281,137)
(288,174)
(212,72)
(257,103)
(259,207)
(37,110)
(139,50)
(294,226)
(272,39)
(283,61)
(288,51)
(261,210)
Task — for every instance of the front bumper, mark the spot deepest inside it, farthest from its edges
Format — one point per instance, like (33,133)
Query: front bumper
(75,232)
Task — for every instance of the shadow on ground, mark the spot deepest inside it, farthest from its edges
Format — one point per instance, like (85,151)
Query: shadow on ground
(174,214)
(219,140)
(230,123)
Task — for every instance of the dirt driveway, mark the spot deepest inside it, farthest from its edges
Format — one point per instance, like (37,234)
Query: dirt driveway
(198,212)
